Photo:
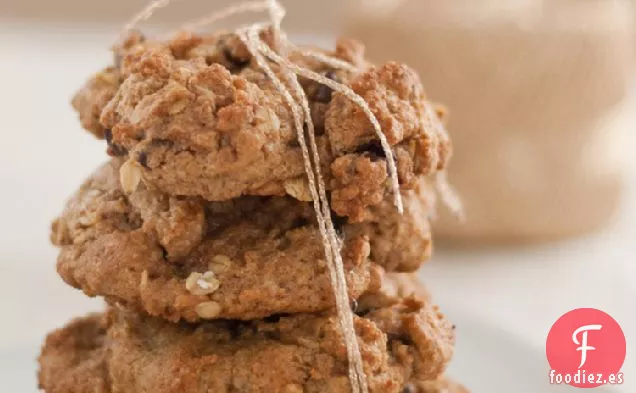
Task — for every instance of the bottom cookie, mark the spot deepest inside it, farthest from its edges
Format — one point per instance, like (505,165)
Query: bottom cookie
(125,352)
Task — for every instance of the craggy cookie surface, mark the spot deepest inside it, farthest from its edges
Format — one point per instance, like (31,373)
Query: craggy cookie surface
(185,258)
(129,353)
(202,119)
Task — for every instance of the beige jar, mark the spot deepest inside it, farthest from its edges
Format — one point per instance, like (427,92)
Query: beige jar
(537,96)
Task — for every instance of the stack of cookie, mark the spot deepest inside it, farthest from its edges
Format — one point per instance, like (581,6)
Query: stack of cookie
(201,234)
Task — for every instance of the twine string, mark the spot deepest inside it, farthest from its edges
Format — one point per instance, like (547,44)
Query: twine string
(251,40)
(326,59)
(337,270)
(437,133)
(144,14)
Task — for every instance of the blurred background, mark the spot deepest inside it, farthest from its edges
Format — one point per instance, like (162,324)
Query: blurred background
(542,98)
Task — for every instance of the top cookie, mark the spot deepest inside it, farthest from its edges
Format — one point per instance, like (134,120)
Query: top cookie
(201,119)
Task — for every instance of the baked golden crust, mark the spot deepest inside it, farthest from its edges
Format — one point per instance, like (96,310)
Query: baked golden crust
(185,258)
(409,341)
(204,121)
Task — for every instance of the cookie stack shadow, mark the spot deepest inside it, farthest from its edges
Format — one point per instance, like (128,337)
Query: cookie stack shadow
(200,233)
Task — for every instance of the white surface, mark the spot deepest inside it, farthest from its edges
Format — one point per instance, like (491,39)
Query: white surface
(503,302)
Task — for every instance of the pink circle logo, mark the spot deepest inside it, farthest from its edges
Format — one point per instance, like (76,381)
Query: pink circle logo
(586,348)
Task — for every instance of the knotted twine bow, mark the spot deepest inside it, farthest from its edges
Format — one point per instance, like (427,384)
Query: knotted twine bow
(295,97)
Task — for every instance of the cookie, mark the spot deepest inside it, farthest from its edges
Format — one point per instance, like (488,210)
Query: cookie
(202,119)
(129,352)
(185,258)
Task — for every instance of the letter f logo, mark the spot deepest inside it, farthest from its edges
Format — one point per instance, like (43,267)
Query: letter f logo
(583,344)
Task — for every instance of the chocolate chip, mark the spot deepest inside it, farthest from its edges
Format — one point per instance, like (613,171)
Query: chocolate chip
(179,271)
(362,313)
(142,159)
(113,149)
(108,135)
(323,92)
(236,62)
(299,223)
(230,56)
(338,224)
(272,335)
(404,339)
(354,306)
(372,149)
(409,389)
(164,253)
(116,151)
(235,328)
(332,75)
(273,318)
